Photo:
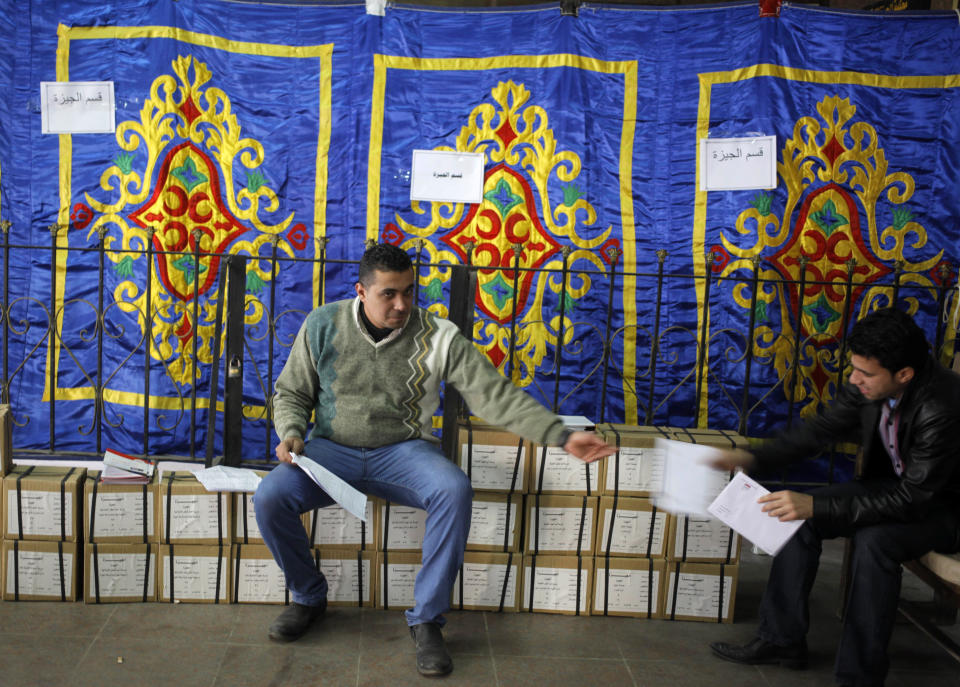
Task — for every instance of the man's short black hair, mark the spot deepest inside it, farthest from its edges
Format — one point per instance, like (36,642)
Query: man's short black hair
(892,337)
(384,257)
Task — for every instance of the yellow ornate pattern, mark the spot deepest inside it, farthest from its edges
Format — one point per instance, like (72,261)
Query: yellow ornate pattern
(521,158)
(834,172)
(185,202)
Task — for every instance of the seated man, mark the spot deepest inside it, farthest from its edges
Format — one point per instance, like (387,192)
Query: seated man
(369,369)
(904,409)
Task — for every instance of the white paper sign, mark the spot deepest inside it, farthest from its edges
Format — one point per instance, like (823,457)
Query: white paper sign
(77,107)
(731,164)
(446,176)
(737,507)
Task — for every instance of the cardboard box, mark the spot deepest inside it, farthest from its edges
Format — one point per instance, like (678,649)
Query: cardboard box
(639,528)
(396,574)
(634,587)
(119,513)
(554,471)
(189,514)
(721,438)
(495,524)
(400,527)
(637,467)
(557,584)
(351,578)
(561,524)
(40,571)
(703,592)
(256,578)
(193,574)
(652,430)
(44,501)
(6,440)
(697,539)
(334,527)
(117,573)
(494,460)
(488,582)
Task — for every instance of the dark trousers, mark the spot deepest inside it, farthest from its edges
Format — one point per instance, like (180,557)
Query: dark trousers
(878,551)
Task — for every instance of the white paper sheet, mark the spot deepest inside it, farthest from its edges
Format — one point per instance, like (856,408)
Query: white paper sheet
(223,478)
(689,483)
(353,501)
(737,507)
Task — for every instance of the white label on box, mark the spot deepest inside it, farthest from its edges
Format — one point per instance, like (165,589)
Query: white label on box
(488,523)
(629,590)
(336,527)
(641,469)
(258,580)
(483,585)
(195,516)
(698,594)
(400,578)
(342,579)
(556,589)
(246,515)
(631,532)
(120,514)
(195,577)
(38,573)
(559,529)
(120,574)
(564,472)
(405,527)
(706,538)
(493,466)
(40,511)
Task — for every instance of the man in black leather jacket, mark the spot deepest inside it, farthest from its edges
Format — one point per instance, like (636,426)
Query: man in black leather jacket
(904,410)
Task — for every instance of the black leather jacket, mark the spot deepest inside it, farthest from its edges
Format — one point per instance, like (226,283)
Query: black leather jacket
(928,438)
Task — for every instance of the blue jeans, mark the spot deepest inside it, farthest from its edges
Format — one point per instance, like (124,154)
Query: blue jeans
(412,473)
(877,552)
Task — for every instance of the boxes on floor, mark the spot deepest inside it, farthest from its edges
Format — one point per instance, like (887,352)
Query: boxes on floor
(193,573)
(488,582)
(117,573)
(40,570)
(698,539)
(634,587)
(350,574)
(702,592)
(554,471)
(256,578)
(396,573)
(495,523)
(333,526)
(189,514)
(119,513)
(42,503)
(560,524)
(494,460)
(400,527)
(636,469)
(639,528)
(245,528)
(556,584)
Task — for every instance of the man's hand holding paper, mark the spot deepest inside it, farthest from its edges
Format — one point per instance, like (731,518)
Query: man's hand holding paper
(787,506)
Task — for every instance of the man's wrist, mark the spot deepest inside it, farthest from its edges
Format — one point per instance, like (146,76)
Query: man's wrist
(565,437)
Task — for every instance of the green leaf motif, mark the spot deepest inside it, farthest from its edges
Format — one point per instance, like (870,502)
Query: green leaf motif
(762,202)
(571,194)
(760,312)
(255,180)
(434,290)
(567,304)
(125,162)
(828,219)
(254,283)
(124,268)
(900,218)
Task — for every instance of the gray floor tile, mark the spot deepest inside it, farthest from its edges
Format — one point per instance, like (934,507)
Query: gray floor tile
(26,661)
(698,672)
(543,635)
(172,622)
(55,619)
(398,670)
(293,664)
(523,671)
(148,662)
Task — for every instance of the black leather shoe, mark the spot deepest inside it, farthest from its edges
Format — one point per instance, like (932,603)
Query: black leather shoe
(762,651)
(295,621)
(432,657)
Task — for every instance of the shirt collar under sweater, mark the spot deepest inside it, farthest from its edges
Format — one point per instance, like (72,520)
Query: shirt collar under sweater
(368,331)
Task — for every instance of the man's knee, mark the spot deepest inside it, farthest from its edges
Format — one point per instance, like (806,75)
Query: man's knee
(877,544)
(272,494)
(454,487)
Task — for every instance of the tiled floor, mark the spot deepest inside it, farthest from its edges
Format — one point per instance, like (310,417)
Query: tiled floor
(185,644)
